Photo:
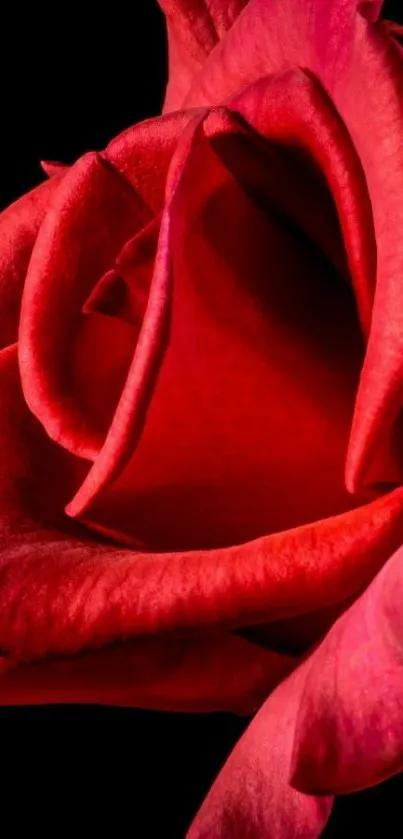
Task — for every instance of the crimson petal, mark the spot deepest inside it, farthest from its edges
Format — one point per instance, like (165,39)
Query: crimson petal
(194,28)
(61,591)
(252,797)
(215,672)
(346,47)
(19,225)
(349,733)
(92,214)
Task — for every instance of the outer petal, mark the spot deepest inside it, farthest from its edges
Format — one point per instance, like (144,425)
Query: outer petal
(103,202)
(194,28)
(215,672)
(143,153)
(19,225)
(270,37)
(218,673)
(350,726)
(360,66)
(92,215)
(252,797)
(61,591)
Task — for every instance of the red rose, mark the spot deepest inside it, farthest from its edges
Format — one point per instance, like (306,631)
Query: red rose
(200,425)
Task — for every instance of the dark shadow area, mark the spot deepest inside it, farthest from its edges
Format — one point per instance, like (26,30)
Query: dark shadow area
(374,812)
(69,87)
(393,10)
(144,773)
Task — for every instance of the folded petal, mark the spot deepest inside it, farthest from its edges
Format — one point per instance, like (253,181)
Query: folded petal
(291,108)
(53,167)
(71,383)
(360,66)
(349,733)
(143,153)
(374,458)
(252,797)
(127,425)
(64,355)
(123,292)
(272,37)
(19,225)
(194,28)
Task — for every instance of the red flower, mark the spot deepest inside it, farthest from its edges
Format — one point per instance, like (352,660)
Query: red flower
(200,423)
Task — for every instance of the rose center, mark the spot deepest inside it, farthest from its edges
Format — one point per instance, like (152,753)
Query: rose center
(247,428)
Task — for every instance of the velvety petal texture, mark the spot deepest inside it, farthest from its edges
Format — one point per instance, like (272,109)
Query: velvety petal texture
(349,732)
(347,48)
(19,225)
(334,726)
(194,28)
(188,490)
(252,797)
(63,592)
(272,37)
(53,377)
(222,673)
(67,614)
(201,496)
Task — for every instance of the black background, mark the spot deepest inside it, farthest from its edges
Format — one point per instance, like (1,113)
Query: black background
(69,84)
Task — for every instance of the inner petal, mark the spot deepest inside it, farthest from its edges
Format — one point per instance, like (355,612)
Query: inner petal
(106,341)
(247,429)
(65,355)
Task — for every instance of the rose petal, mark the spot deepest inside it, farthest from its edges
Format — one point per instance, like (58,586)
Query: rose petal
(265,162)
(374,457)
(194,28)
(350,726)
(91,216)
(61,591)
(292,108)
(252,797)
(215,672)
(19,225)
(245,320)
(143,153)
(346,49)
(128,420)
(114,592)
(123,292)
(273,37)
(222,673)
(53,167)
